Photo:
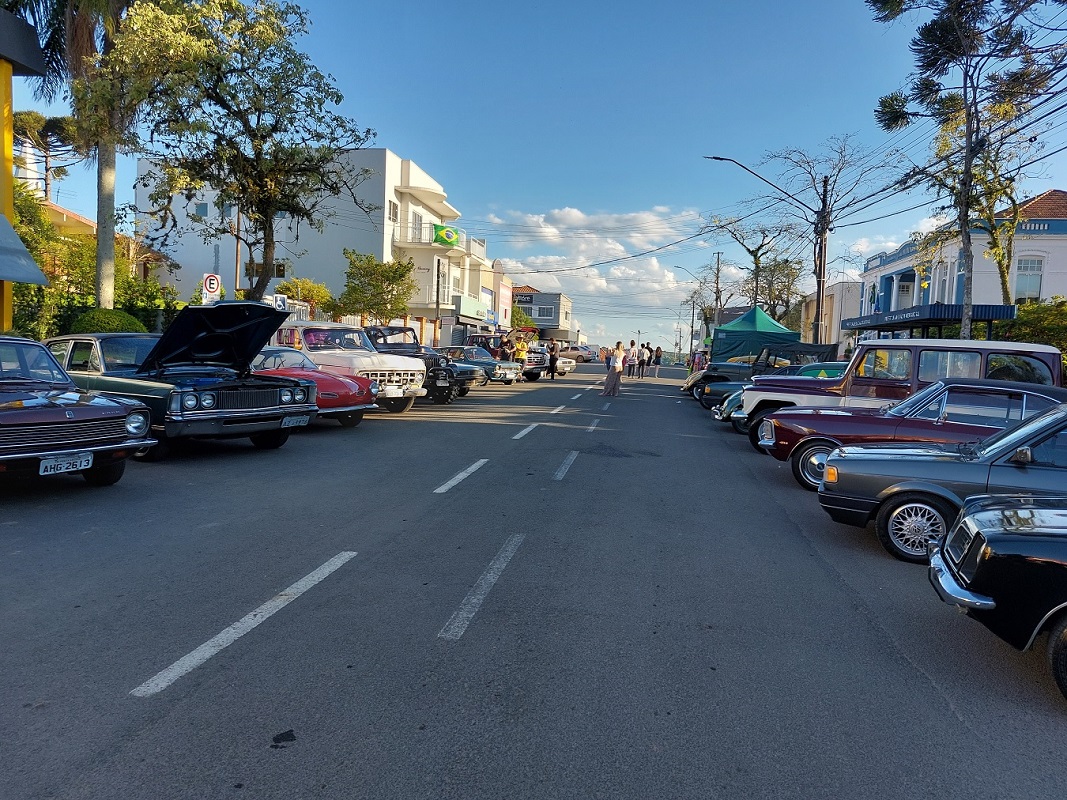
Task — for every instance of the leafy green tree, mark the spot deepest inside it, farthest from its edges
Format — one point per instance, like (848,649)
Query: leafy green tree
(316,295)
(54,139)
(1040,323)
(971,55)
(520,319)
(74,34)
(233,112)
(376,289)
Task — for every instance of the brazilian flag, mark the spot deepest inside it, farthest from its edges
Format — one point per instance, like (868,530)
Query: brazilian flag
(443,234)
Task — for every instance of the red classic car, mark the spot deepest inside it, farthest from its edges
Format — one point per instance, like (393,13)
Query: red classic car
(341,397)
(950,410)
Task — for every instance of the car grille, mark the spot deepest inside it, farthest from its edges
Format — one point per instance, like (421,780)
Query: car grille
(28,438)
(536,359)
(387,378)
(963,549)
(432,361)
(233,399)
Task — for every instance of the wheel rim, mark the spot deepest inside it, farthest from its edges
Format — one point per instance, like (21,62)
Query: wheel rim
(913,525)
(813,464)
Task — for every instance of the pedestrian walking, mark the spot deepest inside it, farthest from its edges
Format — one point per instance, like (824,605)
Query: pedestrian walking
(642,361)
(553,357)
(614,379)
(657,359)
(631,359)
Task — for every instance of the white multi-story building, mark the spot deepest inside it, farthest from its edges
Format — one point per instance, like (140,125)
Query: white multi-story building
(841,301)
(457,283)
(893,289)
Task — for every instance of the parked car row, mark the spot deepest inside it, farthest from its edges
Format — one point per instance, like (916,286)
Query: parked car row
(85,403)
(955,465)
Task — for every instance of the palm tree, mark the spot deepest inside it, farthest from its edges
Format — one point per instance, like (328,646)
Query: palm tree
(72,33)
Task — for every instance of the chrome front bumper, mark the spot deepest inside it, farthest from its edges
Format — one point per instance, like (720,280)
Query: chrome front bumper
(948,588)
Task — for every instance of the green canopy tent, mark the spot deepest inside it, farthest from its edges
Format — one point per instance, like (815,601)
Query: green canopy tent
(748,335)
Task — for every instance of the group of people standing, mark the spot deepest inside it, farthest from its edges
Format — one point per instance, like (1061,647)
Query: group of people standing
(637,359)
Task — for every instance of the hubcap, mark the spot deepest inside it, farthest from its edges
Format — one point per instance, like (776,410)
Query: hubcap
(913,525)
(814,465)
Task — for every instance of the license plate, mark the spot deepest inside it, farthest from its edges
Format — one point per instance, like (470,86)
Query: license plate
(295,422)
(71,463)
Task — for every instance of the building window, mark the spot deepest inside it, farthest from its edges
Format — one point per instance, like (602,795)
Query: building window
(416,226)
(1028,280)
(394,212)
(545,312)
(527,310)
(201,210)
(566,315)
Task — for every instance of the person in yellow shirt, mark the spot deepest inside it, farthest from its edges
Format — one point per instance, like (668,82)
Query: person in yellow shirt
(521,348)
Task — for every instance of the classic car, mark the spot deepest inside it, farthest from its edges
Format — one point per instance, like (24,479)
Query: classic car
(946,411)
(506,372)
(346,350)
(913,492)
(886,370)
(1004,563)
(716,391)
(196,377)
(344,398)
(445,381)
(48,426)
(579,352)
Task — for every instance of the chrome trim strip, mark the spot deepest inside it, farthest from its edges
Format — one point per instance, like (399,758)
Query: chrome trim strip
(130,444)
(1041,624)
(949,590)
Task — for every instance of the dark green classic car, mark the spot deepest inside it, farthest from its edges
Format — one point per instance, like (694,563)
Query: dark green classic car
(196,377)
(504,371)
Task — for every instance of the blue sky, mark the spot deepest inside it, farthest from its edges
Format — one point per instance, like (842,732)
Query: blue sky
(571,133)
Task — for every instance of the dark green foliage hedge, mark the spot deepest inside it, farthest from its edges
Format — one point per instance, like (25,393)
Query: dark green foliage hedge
(107,320)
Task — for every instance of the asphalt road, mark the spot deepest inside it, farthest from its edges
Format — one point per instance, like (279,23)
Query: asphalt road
(624,601)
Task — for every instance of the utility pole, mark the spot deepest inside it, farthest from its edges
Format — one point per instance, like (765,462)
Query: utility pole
(437,306)
(822,228)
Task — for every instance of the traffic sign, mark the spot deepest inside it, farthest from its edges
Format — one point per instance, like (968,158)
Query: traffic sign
(212,287)
(281,302)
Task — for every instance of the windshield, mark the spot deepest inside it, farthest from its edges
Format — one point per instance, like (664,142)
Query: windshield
(478,352)
(916,401)
(396,336)
(282,358)
(126,352)
(29,361)
(336,339)
(1018,436)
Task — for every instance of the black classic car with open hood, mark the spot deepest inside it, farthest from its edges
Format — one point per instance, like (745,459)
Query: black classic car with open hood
(196,377)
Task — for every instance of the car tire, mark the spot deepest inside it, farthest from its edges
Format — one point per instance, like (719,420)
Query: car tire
(350,420)
(269,440)
(809,463)
(1057,654)
(697,391)
(710,401)
(907,521)
(739,426)
(397,405)
(106,475)
(753,430)
(466,390)
(532,376)
(508,383)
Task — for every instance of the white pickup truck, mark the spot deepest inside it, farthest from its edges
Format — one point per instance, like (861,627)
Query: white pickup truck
(347,350)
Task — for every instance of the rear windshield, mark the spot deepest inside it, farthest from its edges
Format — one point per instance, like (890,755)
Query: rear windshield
(1013,367)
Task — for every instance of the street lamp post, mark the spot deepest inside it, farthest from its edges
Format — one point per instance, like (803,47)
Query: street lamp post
(822,229)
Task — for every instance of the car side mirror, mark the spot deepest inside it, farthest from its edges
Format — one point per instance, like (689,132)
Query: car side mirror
(1023,455)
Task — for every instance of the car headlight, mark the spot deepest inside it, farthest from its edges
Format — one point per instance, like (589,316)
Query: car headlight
(287,395)
(137,423)
(375,388)
(300,394)
(207,400)
(766,430)
(190,401)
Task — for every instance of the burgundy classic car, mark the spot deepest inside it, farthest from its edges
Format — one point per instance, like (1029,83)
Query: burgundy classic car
(950,410)
(341,397)
(49,426)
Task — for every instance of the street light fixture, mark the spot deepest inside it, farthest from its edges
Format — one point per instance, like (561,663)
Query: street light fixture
(822,229)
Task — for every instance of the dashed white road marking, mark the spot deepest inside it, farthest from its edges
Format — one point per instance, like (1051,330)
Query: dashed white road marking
(477,465)
(593,424)
(459,621)
(577,397)
(566,465)
(606,406)
(188,663)
(524,431)
(557,409)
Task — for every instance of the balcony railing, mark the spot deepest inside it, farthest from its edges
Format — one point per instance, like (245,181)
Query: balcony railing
(423,235)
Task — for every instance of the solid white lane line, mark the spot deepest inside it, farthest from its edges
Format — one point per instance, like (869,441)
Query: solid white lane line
(606,406)
(557,409)
(477,465)
(455,626)
(577,397)
(566,465)
(188,663)
(593,424)
(524,431)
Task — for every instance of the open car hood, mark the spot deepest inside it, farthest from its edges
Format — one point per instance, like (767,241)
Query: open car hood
(221,335)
